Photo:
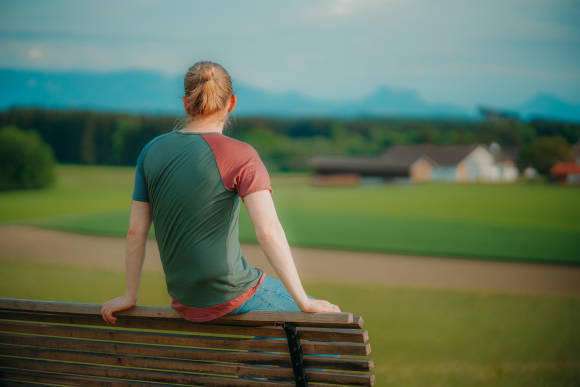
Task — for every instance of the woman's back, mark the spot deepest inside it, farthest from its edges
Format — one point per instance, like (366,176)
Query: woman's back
(189,183)
(194,182)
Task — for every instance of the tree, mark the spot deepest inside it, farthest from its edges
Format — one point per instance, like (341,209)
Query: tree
(26,161)
(544,152)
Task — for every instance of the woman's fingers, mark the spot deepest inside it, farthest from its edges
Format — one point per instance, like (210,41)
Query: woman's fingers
(321,306)
(107,313)
(110,318)
(103,313)
(334,308)
(114,305)
(329,307)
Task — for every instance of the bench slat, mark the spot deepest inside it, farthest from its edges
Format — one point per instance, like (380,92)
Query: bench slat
(182,365)
(134,374)
(266,317)
(39,378)
(257,318)
(311,361)
(314,347)
(306,333)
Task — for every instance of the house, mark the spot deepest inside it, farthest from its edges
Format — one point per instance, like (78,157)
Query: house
(424,162)
(568,173)
(414,167)
(505,163)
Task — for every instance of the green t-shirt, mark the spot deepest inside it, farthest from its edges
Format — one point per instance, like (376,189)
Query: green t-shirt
(194,182)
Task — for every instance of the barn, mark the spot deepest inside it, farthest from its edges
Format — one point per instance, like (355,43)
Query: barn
(424,162)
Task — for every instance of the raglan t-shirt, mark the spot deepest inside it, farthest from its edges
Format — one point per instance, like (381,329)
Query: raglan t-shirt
(194,182)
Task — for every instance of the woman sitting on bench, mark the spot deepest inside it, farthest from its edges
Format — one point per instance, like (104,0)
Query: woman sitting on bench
(189,183)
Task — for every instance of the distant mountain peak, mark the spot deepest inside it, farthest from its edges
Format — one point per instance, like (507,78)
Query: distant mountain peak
(146,91)
(548,105)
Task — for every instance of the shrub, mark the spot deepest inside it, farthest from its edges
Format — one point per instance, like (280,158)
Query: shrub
(544,152)
(25,161)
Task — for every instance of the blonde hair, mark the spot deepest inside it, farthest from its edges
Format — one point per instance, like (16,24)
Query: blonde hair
(208,89)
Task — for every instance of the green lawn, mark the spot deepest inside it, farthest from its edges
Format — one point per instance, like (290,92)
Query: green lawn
(520,222)
(419,337)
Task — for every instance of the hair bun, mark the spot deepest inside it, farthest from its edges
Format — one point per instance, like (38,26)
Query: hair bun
(207,75)
(205,97)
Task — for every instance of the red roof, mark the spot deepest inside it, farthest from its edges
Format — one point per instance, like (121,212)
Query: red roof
(565,169)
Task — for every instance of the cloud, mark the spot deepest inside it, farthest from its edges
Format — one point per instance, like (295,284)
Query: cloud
(35,53)
(342,7)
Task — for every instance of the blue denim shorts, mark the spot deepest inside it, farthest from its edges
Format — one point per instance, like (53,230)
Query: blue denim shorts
(270,295)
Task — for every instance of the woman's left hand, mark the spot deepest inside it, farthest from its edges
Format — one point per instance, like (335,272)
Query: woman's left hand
(115,305)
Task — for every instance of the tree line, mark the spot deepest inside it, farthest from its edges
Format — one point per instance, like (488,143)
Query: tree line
(285,144)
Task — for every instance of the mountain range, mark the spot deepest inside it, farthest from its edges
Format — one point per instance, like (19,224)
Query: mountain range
(154,93)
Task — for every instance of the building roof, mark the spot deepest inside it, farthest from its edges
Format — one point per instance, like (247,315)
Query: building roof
(439,154)
(565,169)
(506,155)
(356,164)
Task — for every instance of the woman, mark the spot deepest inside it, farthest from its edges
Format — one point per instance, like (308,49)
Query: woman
(189,184)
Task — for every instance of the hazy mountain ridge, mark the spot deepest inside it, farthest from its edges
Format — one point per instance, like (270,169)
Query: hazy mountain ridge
(153,93)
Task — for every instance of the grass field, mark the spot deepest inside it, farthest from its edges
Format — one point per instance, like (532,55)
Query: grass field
(419,337)
(519,222)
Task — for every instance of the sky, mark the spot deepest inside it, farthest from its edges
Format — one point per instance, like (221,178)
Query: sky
(462,52)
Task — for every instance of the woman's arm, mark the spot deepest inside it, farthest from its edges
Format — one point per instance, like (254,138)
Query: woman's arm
(272,239)
(139,225)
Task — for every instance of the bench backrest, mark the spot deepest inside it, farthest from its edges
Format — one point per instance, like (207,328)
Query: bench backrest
(69,343)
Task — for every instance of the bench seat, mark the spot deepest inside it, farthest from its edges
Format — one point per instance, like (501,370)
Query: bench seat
(47,342)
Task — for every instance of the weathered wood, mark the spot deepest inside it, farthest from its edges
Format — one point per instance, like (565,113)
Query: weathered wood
(134,374)
(253,318)
(43,378)
(277,359)
(266,317)
(19,377)
(314,347)
(182,365)
(155,346)
(145,362)
(306,333)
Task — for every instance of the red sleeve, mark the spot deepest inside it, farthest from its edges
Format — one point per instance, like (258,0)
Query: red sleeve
(239,164)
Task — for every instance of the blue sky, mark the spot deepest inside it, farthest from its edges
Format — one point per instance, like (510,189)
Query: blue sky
(461,52)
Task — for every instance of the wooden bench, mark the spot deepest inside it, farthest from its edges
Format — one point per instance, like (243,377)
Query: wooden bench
(46,342)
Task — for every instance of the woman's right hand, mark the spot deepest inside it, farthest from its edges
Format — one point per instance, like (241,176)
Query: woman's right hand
(319,306)
(116,305)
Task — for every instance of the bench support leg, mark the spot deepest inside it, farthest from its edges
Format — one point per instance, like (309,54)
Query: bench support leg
(296,355)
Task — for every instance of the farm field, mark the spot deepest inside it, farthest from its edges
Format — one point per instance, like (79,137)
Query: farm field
(418,336)
(514,222)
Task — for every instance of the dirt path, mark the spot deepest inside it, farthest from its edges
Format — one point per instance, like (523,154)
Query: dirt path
(40,245)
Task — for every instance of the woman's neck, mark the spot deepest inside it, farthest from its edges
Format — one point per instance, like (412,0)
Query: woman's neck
(205,124)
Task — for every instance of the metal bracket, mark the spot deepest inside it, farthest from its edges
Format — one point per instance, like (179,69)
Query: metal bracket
(296,354)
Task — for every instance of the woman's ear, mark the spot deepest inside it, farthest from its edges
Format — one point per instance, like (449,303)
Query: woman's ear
(184,103)
(232,103)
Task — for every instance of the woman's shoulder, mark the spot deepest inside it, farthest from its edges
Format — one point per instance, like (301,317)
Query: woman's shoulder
(239,165)
(228,147)
(156,139)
